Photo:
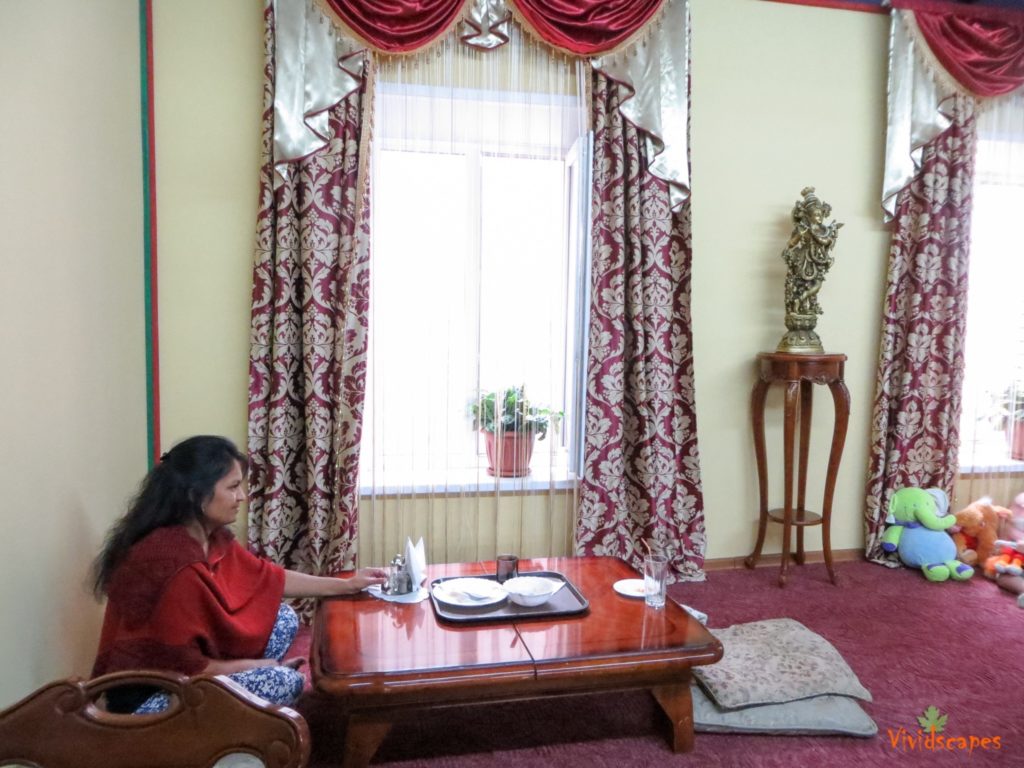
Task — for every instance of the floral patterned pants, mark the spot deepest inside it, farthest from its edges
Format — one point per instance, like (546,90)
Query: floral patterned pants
(278,685)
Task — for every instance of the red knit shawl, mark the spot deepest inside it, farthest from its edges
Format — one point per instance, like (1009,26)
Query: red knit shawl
(172,608)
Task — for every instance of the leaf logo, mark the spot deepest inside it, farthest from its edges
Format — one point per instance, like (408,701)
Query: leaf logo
(933,720)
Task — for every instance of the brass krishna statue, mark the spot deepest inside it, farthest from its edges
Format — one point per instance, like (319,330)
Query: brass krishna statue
(808,256)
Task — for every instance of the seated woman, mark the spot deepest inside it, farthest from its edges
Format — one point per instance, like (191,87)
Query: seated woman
(184,596)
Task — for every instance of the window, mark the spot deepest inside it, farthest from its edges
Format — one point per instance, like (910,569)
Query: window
(477,279)
(993,392)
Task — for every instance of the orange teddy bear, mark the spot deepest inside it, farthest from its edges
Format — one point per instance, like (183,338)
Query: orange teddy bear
(1008,556)
(1008,559)
(976,531)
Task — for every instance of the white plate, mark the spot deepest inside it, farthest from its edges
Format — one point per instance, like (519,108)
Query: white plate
(629,587)
(469,592)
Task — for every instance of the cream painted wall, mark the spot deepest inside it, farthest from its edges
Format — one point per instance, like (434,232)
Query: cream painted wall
(784,96)
(208,62)
(72,393)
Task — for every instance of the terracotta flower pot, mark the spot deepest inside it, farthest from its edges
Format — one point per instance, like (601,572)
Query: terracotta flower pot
(509,453)
(1015,437)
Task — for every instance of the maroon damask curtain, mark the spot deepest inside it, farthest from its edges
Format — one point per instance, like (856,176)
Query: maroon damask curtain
(308,348)
(916,413)
(584,27)
(309,319)
(641,479)
(915,425)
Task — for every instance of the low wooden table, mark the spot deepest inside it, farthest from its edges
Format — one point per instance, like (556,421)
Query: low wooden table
(375,660)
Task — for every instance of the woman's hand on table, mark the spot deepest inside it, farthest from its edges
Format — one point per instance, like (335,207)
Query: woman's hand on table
(298,584)
(366,577)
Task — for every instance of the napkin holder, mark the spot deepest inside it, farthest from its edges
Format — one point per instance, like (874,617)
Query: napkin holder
(399,577)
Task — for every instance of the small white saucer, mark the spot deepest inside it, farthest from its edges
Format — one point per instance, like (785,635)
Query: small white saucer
(629,587)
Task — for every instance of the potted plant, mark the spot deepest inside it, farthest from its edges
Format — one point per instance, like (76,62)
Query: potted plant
(510,423)
(1012,413)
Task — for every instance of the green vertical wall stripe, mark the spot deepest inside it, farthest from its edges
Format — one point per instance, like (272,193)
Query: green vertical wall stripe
(149,232)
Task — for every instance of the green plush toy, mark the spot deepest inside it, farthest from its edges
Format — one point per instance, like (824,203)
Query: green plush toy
(918,520)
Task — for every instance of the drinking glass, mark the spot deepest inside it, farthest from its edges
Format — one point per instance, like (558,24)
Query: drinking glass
(508,567)
(655,572)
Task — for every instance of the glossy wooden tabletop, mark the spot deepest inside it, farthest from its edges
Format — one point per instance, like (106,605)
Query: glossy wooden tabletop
(615,628)
(365,646)
(361,643)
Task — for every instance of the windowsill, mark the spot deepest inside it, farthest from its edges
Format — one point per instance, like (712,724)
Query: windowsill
(471,481)
(1007,467)
(988,457)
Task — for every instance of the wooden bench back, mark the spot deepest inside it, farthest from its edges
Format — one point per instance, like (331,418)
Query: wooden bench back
(64,725)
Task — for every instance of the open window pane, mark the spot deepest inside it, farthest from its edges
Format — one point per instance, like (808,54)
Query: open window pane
(476,281)
(992,420)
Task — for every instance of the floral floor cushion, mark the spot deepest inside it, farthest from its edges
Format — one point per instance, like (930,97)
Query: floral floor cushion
(818,716)
(769,674)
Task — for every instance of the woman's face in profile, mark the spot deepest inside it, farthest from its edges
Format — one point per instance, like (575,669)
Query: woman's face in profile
(228,494)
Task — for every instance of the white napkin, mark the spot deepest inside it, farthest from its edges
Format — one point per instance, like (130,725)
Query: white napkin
(698,615)
(416,561)
(416,596)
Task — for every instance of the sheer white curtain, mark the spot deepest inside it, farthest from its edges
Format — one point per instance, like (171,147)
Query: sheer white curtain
(479,180)
(993,395)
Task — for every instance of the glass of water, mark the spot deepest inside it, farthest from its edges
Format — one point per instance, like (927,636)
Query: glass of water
(655,573)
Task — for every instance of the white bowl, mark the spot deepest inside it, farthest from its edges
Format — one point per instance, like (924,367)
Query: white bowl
(531,590)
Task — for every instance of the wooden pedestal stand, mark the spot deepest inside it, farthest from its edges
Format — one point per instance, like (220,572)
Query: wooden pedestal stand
(799,373)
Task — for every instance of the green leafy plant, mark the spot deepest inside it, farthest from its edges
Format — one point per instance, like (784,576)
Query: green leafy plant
(1006,408)
(509,410)
(1013,403)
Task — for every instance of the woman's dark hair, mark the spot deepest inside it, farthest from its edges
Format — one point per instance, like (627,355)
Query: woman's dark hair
(173,493)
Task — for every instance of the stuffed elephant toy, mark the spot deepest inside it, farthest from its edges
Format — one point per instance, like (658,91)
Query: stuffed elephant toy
(918,522)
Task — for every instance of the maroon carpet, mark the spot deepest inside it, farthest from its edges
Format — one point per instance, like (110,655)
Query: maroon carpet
(913,644)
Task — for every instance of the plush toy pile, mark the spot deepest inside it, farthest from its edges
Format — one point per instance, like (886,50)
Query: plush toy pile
(976,531)
(1006,565)
(919,523)
(924,535)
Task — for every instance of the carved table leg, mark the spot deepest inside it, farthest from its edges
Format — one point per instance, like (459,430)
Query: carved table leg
(841,400)
(757,399)
(363,735)
(806,396)
(789,428)
(676,702)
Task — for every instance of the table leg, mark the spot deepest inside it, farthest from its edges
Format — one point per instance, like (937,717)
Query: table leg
(676,702)
(806,397)
(757,399)
(789,428)
(363,735)
(841,401)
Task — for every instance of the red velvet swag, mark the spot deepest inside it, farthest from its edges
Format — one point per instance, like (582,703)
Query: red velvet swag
(985,53)
(583,27)
(586,27)
(397,26)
